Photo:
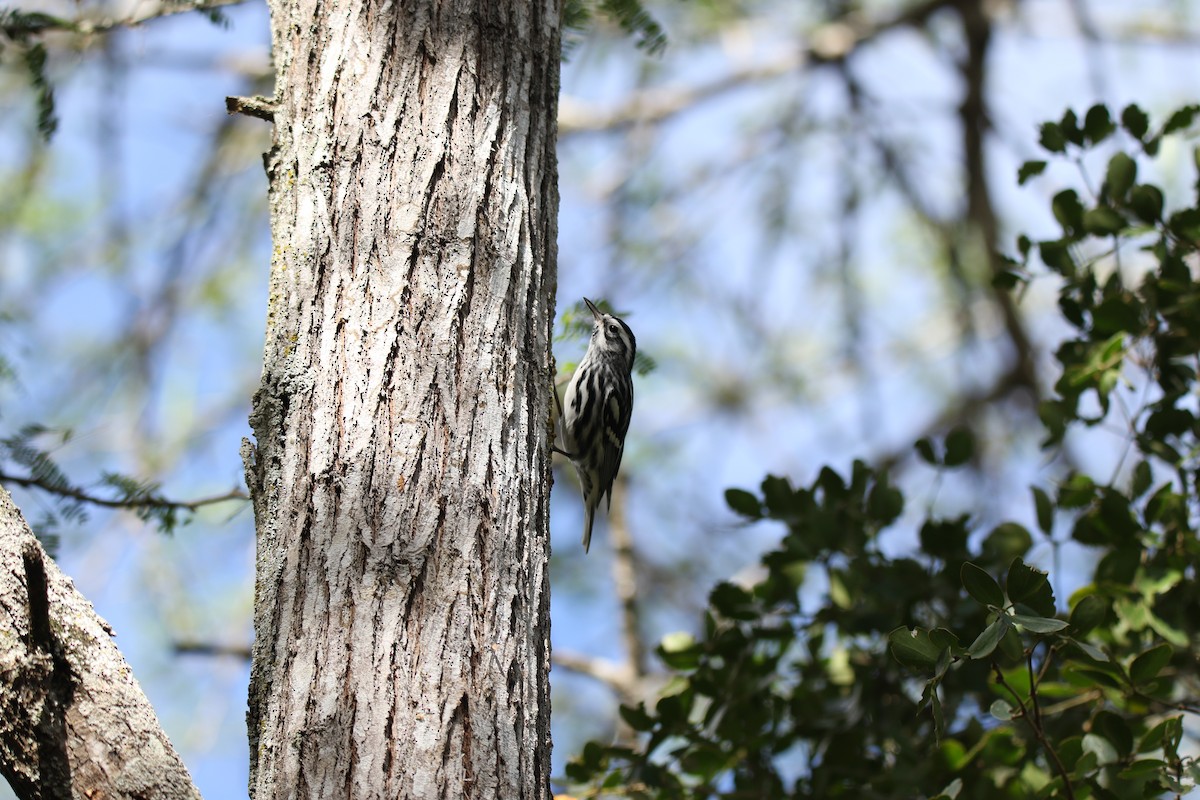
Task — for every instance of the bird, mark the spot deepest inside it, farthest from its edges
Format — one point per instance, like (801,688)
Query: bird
(598,405)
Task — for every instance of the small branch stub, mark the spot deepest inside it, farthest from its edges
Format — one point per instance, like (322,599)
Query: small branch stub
(257,106)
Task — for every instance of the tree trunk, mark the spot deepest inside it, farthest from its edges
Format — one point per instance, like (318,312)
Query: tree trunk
(402,473)
(73,721)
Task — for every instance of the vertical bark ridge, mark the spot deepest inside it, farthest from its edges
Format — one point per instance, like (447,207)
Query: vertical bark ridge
(402,474)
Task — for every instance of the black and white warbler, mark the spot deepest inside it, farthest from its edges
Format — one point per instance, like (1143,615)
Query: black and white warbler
(598,404)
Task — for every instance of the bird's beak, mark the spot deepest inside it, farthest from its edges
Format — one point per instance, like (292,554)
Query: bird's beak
(592,307)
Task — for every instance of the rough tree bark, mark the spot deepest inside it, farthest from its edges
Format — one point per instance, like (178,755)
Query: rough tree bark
(401,472)
(73,721)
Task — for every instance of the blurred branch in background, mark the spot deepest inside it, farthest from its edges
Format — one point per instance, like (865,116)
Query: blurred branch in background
(18,24)
(142,498)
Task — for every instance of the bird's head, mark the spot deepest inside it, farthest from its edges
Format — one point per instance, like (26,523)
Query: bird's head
(612,335)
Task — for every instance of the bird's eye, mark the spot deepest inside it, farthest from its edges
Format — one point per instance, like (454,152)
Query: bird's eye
(612,328)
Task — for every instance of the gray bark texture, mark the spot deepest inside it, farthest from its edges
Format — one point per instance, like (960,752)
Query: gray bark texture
(401,469)
(73,721)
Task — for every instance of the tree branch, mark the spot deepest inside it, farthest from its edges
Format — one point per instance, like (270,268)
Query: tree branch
(195,648)
(149,501)
(1035,726)
(258,106)
(832,42)
(76,724)
(624,571)
(616,676)
(54,764)
(16,24)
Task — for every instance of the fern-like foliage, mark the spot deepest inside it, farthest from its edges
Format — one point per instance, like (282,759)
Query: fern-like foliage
(631,15)
(19,27)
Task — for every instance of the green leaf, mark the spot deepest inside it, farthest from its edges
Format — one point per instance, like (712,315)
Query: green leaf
(1068,211)
(913,648)
(1115,730)
(732,601)
(1142,769)
(1070,128)
(1090,650)
(1028,170)
(1146,200)
(636,717)
(1133,613)
(885,503)
(944,538)
(1135,121)
(743,503)
(1098,124)
(1051,138)
(929,696)
(778,496)
(1119,565)
(1025,583)
(986,642)
(960,446)
(1180,119)
(1010,645)
(1045,511)
(635,21)
(981,586)
(679,651)
(1172,736)
(1166,631)
(1002,710)
(1185,223)
(1039,624)
(1100,747)
(1147,665)
(1102,221)
(1153,740)
(1007,541)
(1122,171)
(1056,254)
(924,448)
(951,791)
(945,639)
(1088,613)
(1076,491)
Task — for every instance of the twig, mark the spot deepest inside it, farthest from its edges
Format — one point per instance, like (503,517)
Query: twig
(624,570)
(1038,733)
(191,648)
(164,10)
(831,44)
(149,501)
(257,106)
(616,676)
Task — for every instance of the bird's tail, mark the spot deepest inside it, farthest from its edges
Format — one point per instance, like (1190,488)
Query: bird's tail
(589,516)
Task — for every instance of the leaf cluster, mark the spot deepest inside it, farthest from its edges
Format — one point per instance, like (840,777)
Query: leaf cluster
(31,452)
(630,15)
(21,29)
(954,671)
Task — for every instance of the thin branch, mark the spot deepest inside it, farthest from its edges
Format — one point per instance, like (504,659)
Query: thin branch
(46,22)
(148,501)
(193,648)
(616,676)
(624,570)
(1038,733)
(658,105)
(831,43)
(257,106)
(976,122)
